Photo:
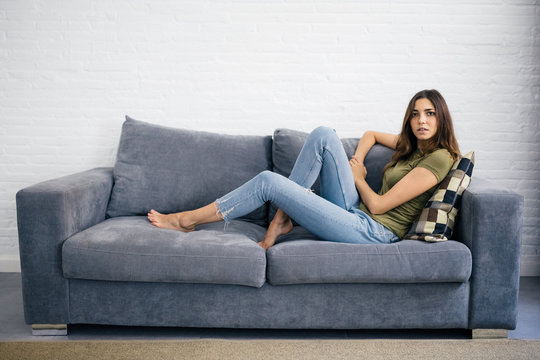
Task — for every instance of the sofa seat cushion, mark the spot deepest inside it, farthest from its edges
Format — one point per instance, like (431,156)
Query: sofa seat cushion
(131,249)
(408,261)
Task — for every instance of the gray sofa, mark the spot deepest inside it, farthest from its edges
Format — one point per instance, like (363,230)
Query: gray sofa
(89,255)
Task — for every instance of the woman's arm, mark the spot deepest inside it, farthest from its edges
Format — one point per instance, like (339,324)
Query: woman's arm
(371,138)
(416,182)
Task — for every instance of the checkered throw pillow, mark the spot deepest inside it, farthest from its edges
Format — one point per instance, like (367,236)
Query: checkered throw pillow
(436,221)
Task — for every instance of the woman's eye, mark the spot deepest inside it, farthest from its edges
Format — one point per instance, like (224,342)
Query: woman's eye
(414,114)
(431,113)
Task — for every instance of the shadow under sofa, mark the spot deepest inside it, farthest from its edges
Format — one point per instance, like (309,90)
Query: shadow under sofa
(89,256)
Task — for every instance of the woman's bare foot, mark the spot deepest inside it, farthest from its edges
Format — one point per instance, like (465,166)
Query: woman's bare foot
(176,221)
(280,225)
(186,221)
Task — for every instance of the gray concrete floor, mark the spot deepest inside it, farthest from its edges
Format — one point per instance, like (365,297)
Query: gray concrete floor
(14,328)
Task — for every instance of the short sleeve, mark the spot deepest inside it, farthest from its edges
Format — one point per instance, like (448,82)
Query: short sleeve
(438,162)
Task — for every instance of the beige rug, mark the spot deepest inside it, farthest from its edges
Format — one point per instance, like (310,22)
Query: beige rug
(271,349)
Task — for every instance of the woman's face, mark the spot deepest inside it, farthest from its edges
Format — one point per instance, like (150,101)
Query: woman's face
(424,120)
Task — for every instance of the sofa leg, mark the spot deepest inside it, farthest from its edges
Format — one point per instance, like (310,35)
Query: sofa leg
(489,334)
(49,329)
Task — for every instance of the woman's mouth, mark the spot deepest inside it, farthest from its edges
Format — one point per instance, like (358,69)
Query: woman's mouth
(422,130)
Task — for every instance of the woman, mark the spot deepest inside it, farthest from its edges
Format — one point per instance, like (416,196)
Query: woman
(347,210)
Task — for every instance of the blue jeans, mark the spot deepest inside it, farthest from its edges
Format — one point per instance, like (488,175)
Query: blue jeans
(333,216)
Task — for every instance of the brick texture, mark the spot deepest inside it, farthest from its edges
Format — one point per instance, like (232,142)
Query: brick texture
(70,70)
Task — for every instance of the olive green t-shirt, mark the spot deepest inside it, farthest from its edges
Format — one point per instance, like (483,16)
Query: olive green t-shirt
(400,218)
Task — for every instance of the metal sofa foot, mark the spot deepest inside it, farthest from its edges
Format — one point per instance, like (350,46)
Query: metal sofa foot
(489,334)
(49,329)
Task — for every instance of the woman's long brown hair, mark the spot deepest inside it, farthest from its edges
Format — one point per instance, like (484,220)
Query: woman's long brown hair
(444,139)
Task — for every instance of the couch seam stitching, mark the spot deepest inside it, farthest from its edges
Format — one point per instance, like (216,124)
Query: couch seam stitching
(164,255)
(377,254)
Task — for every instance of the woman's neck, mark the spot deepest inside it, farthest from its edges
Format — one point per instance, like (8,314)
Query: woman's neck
(421,146)
(425,146)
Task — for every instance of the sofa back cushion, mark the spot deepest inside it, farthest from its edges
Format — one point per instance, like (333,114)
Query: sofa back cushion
(173,170)
(288,144)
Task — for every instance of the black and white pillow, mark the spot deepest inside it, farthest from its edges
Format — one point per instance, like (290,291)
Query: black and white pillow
(436,221)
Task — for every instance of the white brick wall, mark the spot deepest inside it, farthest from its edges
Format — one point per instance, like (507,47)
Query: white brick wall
(70,70)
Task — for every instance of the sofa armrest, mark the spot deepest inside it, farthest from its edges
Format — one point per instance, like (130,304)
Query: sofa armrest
(490,224)
(47,214)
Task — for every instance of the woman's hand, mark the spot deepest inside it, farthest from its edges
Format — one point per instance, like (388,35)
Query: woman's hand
(358,169)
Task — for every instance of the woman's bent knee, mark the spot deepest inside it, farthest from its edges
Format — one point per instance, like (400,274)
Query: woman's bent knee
(323,132)
(323,136)
(267,176)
